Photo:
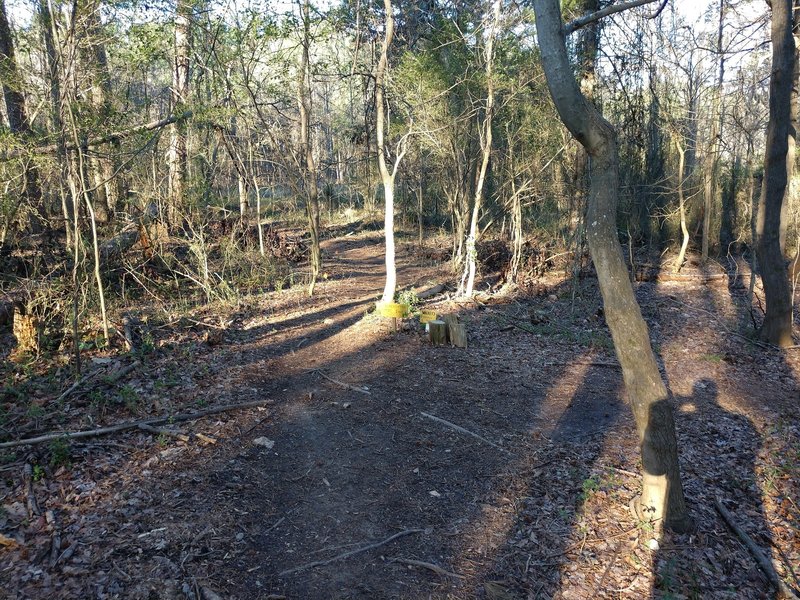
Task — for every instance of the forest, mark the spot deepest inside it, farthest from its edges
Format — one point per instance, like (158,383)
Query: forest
(399,299)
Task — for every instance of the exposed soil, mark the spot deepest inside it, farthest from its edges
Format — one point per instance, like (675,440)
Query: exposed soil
(533,505)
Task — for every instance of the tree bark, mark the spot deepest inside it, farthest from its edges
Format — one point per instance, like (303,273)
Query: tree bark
(777,326)
(662,496)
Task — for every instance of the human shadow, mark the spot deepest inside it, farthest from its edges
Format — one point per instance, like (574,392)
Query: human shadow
(718,464)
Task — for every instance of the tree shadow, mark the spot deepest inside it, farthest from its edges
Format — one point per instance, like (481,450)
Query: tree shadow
(718,463)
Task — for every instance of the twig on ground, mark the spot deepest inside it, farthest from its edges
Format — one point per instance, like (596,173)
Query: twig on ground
(464,431)
(345,385)
(763,561)
(133,424)
(320,563)
(426,565)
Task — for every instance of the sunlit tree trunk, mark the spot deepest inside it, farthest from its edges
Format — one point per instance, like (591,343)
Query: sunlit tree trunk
(662,495)
(681,203)
(777,327)
(387,177)
(468,277)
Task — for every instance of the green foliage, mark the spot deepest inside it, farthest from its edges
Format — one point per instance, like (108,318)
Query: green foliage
(59,453)
(129,397)
(410,298)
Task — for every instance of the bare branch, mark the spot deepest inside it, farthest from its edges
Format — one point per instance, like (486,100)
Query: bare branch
(583,21)
(104,139)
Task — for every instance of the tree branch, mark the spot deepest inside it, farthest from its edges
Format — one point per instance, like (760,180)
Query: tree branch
(103,139)
(585,20)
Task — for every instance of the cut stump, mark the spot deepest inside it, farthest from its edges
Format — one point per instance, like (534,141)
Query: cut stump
(437,332)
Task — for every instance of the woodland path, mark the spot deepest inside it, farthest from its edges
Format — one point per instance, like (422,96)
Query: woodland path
(540,512)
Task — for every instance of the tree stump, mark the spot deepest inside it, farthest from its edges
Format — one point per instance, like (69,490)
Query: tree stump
(26,330)
(437,332)
(456,332)
(458,335)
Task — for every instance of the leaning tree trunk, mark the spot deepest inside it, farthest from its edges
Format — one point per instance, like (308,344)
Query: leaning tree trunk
(662,495)
(777,327)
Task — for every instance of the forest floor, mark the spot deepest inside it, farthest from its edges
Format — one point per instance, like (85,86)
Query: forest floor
(343,485)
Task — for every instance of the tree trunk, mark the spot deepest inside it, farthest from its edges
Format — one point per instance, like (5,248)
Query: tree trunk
(777,327)
(662,497)
(178,154)
(386,177)
(711,170)
(107,183)
(468,278)
(309,167)
(681,203)
(17,116)
(727,226)
(68,207)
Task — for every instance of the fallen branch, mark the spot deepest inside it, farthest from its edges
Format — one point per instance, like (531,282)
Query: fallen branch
(164,431)
(465,431)
(133,424)
(345,385)
(431,291)
(763,561)
(426,565)
(320,563)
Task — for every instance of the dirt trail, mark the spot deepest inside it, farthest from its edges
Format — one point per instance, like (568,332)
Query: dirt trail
(537,508)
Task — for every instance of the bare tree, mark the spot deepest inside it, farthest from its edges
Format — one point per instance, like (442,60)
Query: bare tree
(662,495)
(308,166)
(468,278)
(387,176)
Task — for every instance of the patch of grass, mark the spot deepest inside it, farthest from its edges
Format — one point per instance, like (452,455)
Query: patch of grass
(590,486)
(714,358)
